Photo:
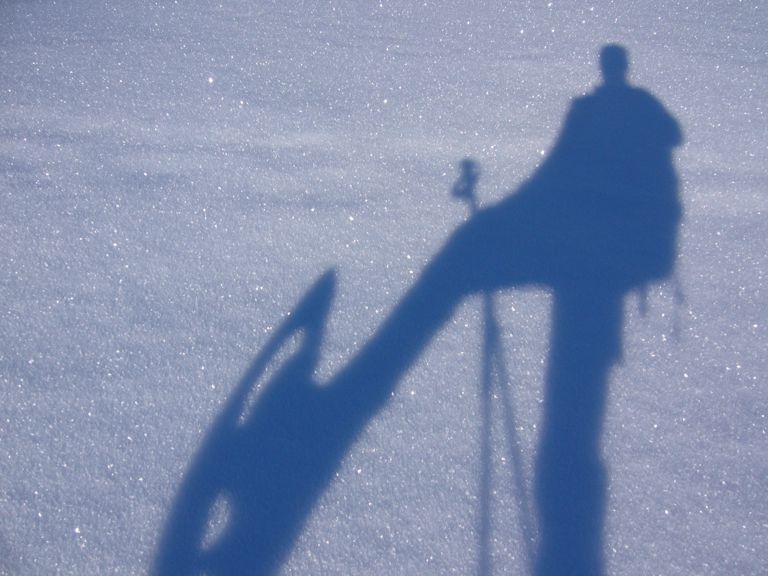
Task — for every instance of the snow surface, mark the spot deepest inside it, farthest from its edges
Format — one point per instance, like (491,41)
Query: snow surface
(175,175)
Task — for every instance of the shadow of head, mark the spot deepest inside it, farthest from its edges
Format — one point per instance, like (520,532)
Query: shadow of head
(614,64)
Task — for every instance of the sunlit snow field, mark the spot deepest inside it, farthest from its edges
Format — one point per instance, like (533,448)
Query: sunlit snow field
(175,175)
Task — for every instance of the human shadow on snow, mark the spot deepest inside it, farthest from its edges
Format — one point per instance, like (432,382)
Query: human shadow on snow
(596,221)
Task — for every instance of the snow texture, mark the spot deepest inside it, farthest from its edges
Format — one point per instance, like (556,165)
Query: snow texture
(229,246)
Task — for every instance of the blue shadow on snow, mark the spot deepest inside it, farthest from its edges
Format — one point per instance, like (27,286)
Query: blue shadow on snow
(596,221)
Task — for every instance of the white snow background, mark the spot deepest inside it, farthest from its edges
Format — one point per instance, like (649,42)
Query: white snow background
(174,175)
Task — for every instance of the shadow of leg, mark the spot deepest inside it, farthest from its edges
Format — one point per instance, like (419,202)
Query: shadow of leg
(570,477)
